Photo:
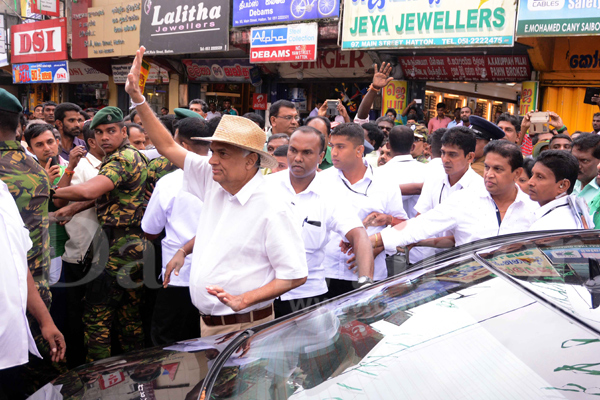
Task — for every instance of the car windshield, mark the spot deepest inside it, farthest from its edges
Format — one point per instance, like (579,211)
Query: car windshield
(453,331)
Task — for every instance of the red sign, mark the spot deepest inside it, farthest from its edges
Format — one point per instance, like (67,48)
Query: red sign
(39,41)
(467,68)
(306,52)
(111,379)
(46,7)
(259,101)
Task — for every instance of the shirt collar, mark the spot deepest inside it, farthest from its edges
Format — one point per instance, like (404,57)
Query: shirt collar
(403,158)
(464,180)
(249,188)
(368,174)
(93,160)
(543,210)
(11,145)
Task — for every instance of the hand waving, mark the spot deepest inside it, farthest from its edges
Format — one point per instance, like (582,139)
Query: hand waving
(382,77)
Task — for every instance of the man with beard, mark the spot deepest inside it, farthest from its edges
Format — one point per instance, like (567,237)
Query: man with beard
(48,109)
(69,123)
(465,113)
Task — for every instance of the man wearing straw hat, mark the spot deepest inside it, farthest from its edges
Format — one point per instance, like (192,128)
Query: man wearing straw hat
(248,250)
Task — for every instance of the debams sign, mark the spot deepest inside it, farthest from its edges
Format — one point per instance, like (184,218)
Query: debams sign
(184,26)
(285,43)
(558,17)
(379,24)
(257,12)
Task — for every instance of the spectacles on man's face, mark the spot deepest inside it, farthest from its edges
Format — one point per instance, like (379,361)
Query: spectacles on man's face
(289,117)
(385,128)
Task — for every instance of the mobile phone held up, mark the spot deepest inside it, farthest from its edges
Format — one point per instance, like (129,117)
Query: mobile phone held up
(332,107)
(54,161)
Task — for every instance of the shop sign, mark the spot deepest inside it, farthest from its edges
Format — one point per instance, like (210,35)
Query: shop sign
(258,12)
(120,72)
(394,96)
(259,101)
(105,30)
(331,64)
(185,26)
(529,97)
(44,72)
(3,56)
(46,7)
(226,70)
(284,43)
(558,18)
(467,68)
(386,24)
(81,73)
(39,41)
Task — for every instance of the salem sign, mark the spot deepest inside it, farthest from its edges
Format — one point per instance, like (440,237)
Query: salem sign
(39,41)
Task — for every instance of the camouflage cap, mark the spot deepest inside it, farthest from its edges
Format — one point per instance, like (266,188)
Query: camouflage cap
(421,132)
(182,113)
(9,103)
(108,115)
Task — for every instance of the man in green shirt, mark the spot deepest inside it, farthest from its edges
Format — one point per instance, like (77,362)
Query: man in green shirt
(586,148)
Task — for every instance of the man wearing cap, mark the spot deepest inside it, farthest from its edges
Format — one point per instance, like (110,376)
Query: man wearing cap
(248,248)
(29,185)
(119,191)
(418,150)
(161,166)
(485,131)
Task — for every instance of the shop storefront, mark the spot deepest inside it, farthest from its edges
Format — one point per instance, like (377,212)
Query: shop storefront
(87,86)
(156,89)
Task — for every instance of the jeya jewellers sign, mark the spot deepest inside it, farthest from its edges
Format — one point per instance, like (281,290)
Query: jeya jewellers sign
(383,24)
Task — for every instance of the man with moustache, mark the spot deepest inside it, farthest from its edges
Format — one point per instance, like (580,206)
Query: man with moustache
(69,123)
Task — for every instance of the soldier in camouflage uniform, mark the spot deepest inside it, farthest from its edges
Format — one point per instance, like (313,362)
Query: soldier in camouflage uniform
(29,185)
(115,296)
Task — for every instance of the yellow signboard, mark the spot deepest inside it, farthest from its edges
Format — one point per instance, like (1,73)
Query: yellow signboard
(529,97)
(394,96)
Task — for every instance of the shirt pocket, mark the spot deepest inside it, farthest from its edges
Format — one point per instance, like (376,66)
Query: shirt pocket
(313,236)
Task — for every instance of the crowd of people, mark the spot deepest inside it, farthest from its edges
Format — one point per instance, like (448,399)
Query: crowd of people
(128,231)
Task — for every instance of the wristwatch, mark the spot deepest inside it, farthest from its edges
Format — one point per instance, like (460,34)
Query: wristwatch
(364,281)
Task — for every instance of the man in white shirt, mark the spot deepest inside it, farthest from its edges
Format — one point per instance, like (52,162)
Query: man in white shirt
(476,213)
(212,112)
(318,214)
(375,201)
(177,212)
(248,250)
(553,178)
(403,168)
(18,294)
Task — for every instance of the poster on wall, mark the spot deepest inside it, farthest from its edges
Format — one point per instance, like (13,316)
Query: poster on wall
(558,18)
(44,72)
(257,12)
(182,26)
(427,23)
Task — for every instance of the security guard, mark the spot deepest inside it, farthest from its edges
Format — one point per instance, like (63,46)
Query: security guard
(161,166)
(485,131)
(119,191)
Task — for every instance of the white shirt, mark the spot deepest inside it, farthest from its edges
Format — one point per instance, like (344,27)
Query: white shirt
(177,212)
(401,170)
(557,214)
(312,207)
(370,194)
(150,154)
(83,225)
(437,189)
(211,114)
(435,168)
(243,242)
(469,215)
(15,335)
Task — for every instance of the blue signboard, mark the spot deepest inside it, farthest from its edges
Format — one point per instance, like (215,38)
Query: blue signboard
(258,12)
(558,18)
(43,72)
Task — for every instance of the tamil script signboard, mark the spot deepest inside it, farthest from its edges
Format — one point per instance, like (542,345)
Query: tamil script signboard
(284,43)
(227,70)
(183,26)
(467,68)
(257,12)
(558,18)
(386,24)
(44,72)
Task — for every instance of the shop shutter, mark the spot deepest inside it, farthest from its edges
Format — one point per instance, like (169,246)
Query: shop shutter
(568,103)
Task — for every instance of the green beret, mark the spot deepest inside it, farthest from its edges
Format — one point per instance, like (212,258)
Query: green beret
(182,113)
(9,103)
(108,115)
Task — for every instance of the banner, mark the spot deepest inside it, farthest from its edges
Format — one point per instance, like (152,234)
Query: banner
(467,68)
(233,70)
(39,41)
(427,23)
(257,12)
(81,73)
(558,18)
(331,64)
(46,72)
(529,97)
(183,26)
(394,96)
(105,30)
(284,43)
(120,72)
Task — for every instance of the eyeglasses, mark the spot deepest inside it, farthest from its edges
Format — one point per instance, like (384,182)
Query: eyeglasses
(290,117)
(385,128)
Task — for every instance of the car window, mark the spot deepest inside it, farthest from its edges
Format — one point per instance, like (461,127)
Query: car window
(559,269)
(456,331)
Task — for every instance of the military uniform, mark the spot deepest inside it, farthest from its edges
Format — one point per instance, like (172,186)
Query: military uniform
(158,168)
(118,289)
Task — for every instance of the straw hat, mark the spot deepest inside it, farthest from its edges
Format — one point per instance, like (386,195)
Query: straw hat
(245,134)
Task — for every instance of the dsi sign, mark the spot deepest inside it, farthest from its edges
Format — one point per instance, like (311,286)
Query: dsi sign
(380,24)
(39,41)
(286,43)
